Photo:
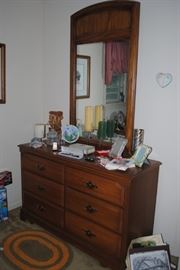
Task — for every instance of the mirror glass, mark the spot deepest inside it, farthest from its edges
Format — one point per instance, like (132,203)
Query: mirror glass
(101,86)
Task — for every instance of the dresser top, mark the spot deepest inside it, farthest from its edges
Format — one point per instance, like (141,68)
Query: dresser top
(93,167)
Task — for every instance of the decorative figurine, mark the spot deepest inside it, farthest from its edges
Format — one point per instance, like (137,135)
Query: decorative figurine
(55,118)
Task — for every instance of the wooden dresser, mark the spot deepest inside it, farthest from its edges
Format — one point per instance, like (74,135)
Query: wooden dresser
(97,210)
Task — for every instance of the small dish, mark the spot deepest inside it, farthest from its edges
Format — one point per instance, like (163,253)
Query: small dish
(70,134)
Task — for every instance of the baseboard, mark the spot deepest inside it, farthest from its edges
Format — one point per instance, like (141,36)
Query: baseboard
(13,206)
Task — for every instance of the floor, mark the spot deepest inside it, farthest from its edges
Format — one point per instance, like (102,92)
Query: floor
(81,261)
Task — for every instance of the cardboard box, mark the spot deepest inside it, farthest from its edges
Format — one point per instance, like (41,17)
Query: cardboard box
(3,204)
(5,178)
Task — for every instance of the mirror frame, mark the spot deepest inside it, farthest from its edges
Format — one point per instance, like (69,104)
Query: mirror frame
(2,73)
(99,23)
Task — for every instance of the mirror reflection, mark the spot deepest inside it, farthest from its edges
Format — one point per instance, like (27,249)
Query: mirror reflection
(101,88)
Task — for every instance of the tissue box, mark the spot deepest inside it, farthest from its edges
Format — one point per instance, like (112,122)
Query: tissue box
(5,178)
(3,204)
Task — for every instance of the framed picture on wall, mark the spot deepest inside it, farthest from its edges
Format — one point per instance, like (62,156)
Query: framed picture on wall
(2,73)
(83,76)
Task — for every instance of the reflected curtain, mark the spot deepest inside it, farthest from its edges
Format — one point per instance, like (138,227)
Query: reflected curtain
(116,59)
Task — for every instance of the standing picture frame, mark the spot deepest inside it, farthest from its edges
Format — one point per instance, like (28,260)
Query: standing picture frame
(157,257)
(2,73)
(83,77)
(141,154)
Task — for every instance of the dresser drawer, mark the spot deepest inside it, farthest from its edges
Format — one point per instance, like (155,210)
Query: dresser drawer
(95,185)
(43,188)
(93,234)
(54,215)
(101,212)
(43,167)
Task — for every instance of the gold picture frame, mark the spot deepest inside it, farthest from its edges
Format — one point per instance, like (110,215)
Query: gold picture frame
(2,73)
(83,76)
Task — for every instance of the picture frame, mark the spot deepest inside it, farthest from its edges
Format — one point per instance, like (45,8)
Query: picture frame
(141,154)
(116,91)
(83,76)
(156,257)
(2,73)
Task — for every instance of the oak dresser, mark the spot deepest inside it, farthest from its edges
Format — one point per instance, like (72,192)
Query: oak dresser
(97,210)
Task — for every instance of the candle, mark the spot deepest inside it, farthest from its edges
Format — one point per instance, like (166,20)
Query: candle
(89,118)
(102,126)
(39,131)
(99,113)
(110,128)
(55,146)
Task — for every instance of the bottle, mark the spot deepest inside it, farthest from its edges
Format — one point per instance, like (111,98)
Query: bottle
(79,126)
(52,136)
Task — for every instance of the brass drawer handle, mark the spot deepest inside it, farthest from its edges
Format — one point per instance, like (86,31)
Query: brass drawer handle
(41,208)
(40,167)
(40,188)
(89,233)
(90,185)
(90,209)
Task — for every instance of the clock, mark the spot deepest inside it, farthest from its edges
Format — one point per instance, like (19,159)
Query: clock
(121,119)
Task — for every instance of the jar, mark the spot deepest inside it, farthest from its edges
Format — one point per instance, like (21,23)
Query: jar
(51,136)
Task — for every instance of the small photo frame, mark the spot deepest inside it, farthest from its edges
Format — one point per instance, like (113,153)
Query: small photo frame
(157,257)
(141,154)
(83,76)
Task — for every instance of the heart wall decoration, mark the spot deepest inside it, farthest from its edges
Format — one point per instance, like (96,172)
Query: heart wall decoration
(164,79)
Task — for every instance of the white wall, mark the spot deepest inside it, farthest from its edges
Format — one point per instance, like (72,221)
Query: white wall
(21,31)
(37,35)
(157,109)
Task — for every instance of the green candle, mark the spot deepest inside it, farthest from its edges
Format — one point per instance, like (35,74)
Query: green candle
(110,128)
(104,129)
(100,130)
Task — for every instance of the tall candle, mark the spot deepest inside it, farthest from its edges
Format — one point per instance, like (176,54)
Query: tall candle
(110,128)
(39,130)
(102,126)
(99,114)
(89,118)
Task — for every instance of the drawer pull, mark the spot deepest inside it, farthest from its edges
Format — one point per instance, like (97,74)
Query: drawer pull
(40,167)
(40,188)
(89,233)
(41,208)
(90,209)
(90,185)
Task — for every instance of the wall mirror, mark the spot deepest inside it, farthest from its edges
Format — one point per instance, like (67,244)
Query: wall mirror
(2,73)
(107,35)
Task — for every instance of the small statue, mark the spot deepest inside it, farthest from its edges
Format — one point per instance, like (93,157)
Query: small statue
(55,118)
(54,134)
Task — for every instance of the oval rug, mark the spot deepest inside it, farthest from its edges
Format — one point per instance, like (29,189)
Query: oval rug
(33,249)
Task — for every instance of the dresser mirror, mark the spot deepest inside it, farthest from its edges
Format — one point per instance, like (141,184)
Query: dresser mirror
(105,37)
